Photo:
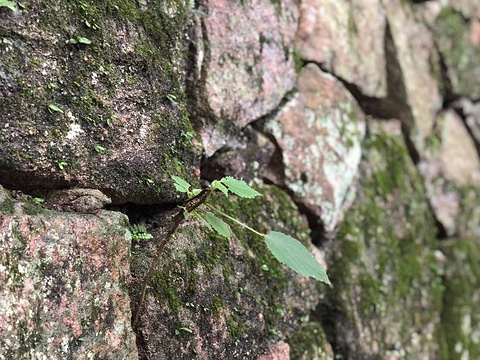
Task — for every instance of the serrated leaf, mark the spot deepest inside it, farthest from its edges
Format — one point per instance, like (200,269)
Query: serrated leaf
(292,253)
(239,187)
(217,185)
(55,108)
(218,225)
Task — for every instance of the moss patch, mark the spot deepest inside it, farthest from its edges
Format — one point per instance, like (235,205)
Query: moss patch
(387,283)
(122,93)
(459,333)
(232,294)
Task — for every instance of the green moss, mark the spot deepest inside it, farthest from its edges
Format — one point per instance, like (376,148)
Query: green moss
(385,247)
(162,287)
(32,209)
(309,343)
(7,206)
(460,322)
(460,55)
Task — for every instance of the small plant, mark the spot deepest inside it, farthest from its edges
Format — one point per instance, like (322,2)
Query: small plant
(55,108)
(139,232)
(99,148)
(80,40)
(62,164)
(284,248)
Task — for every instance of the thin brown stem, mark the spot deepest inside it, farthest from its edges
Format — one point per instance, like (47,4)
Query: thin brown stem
(190,205)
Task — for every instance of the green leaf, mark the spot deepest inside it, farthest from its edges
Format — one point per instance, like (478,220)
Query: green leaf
(8,4)
(218,225)
(292,253)
(196,191)
(99,148)
(180,188)
(55,108)
(83,40)
(217,185)
(180,184)
(185,212)
(239,187)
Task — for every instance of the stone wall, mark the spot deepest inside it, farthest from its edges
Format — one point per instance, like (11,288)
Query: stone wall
(358,120)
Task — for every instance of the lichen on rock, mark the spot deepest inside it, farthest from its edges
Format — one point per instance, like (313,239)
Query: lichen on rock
(63,284)
(319,132)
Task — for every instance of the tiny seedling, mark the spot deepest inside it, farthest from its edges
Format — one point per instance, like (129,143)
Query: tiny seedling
(185,329)
(55,108)
(139,232)
(99,148)
(284,248)
(80,40)
(38,200)
(62,164)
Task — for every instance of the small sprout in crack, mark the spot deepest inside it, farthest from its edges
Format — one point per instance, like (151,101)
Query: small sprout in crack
(185,329)
(38,200)
(62,164)
(284,248)
(139,232)
(80,40)
(99,148)
(55,108)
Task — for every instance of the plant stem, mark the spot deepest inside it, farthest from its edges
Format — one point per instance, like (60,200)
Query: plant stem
(234,220)
(190,205)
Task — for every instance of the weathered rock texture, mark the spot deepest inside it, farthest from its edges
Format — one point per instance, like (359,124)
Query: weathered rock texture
(383,262)
(218,298)
(108,114)
(246,64)
(347,38)
(359,120)
(63,284)
(319,133)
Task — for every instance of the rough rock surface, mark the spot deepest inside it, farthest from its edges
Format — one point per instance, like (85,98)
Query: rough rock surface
(383,262)
(105,100)
(471,112)
(449,165)
(319,133)
(218,298)
(92,96)
(246,156)
(458,41)
(246,62)
(415,63)
(460,331)
(347,38)
(63,280)
(310,342)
